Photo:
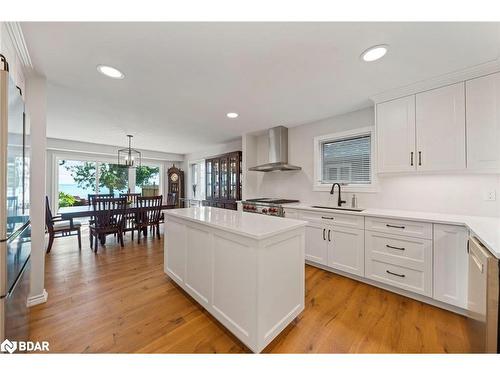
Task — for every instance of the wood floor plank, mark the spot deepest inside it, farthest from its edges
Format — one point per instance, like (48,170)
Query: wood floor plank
(120,301)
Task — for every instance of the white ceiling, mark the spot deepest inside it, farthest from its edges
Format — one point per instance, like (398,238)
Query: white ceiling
(182,78)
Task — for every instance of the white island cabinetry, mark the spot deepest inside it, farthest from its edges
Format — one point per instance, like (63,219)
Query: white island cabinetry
(247,270)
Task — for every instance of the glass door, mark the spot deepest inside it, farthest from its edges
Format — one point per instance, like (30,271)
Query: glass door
(208,179)
(216,178)
(233,176)
(224,193)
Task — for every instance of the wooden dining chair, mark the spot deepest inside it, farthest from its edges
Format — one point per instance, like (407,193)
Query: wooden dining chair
(108,217)
(131,197)
(60,228)
(131,217)
(149,214)
(92,197)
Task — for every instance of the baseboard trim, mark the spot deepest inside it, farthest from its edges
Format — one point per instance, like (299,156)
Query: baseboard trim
(37,300)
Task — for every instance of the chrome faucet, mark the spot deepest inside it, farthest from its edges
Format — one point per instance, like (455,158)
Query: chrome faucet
(339,201)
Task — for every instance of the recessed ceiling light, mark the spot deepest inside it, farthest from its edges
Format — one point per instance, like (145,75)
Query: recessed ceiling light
(232,115)
(109,71)
(374,53)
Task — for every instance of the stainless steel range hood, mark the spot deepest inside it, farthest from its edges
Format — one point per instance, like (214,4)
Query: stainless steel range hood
(278,152)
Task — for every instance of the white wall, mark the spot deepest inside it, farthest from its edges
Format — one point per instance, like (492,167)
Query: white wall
(214,150)
(448,193)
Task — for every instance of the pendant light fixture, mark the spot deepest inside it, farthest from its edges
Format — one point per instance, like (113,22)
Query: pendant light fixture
(129,156)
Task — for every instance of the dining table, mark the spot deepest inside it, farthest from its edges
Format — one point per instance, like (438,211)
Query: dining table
(75,212)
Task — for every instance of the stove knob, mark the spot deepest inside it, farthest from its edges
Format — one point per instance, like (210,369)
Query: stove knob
(264,210)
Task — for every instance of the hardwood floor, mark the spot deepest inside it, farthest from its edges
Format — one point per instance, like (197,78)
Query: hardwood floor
(120,301)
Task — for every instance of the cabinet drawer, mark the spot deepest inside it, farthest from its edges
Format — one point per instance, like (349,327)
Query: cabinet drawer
(415,253)
(332,218)
(402,277)
(401,227)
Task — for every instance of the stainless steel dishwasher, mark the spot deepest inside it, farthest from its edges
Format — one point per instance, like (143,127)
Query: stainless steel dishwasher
(483,297)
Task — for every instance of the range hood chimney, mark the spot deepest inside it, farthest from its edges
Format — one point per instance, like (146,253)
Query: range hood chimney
(278,152)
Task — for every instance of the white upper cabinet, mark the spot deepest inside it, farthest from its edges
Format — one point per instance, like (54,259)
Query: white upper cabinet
(440,128)
(396,135)
(483,123)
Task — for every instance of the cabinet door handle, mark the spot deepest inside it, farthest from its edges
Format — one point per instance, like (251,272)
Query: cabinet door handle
(420,158)
(395,247)
(411,158)
(395,226)
(329,235)
(326,217)
(324,238)
(395,274)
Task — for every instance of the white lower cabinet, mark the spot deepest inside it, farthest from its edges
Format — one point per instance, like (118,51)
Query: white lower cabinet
(404,262)
(316,245)
(450,264)
(346,249)
(336,247)
(421,257)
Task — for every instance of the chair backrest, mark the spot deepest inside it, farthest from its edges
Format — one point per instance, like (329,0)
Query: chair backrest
(91,197)
(48,215)
(149,209)
(131,197)
(171,198)
(109,212)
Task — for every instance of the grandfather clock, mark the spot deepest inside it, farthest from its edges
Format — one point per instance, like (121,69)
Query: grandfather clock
(176,184)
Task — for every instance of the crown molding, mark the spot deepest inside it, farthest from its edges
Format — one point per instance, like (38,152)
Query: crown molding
(475,71)
(16,35)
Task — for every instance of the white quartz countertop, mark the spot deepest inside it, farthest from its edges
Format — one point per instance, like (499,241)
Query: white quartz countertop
(486,229)
(243,223)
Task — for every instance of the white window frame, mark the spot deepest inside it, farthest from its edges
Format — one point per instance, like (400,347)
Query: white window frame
(65,155)
(318,185)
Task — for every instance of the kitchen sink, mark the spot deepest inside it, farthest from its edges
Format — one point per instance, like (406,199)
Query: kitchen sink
(340,208)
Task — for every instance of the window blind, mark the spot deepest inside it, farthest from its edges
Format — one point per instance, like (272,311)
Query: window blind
(347,160)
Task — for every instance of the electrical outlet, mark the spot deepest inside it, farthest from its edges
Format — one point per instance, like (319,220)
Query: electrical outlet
(490,195)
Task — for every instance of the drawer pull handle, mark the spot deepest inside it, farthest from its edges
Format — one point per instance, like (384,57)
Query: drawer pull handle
(324,238)
(395,247)
(395,226)
(395,274)
(326,217)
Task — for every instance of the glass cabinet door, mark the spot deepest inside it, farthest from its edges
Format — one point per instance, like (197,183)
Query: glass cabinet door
(233,177)
(208,171)
(216,178)
(224,178)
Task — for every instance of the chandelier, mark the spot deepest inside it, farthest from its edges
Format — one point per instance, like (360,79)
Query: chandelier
(129,156)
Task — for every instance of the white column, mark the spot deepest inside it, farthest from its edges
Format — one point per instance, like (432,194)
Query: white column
(36,105)
(131,179)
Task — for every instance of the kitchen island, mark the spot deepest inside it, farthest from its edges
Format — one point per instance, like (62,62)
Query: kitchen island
(246,269)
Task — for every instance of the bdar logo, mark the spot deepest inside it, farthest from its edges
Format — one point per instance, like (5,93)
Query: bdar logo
(8,346)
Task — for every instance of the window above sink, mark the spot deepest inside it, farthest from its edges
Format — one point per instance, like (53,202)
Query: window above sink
(347,158)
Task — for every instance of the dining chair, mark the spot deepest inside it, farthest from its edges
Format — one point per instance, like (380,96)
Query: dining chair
(60,228)
(108,217)
(131,218)
(149,214)
(91,197)
(131,197)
